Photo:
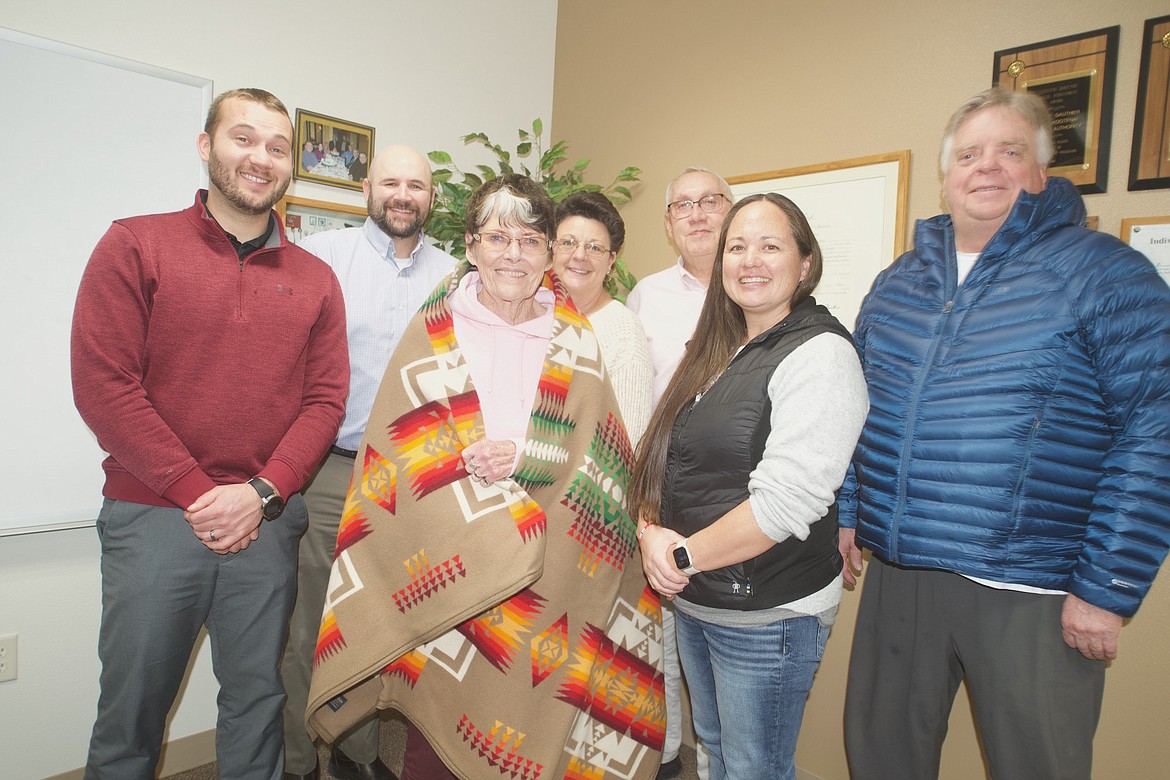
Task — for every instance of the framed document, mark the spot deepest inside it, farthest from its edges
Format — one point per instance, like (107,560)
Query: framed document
(303,217)
(1076,77)
(857,210)
(1151,237)
(1149,162)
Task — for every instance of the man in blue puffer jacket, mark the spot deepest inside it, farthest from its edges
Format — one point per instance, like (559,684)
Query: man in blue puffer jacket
(1013,477)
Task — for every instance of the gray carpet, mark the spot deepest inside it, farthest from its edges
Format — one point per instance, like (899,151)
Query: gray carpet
(390,746)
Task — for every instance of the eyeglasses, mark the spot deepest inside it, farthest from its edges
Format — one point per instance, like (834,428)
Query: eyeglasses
(708,203)
(498,243)
(594,251)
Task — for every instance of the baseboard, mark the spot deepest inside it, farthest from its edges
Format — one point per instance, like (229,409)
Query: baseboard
(177,756)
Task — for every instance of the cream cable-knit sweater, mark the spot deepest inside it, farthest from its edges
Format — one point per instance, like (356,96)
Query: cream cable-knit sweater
(627,359)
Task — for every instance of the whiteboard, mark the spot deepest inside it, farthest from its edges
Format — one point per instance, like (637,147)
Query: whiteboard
(90,138)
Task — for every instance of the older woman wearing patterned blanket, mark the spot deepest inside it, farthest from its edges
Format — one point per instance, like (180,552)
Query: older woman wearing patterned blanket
(485,582)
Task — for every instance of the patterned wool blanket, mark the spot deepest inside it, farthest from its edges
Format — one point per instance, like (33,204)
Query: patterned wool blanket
(510,622)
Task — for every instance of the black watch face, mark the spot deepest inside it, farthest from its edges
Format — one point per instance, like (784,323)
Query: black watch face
(681,559)
(273,507)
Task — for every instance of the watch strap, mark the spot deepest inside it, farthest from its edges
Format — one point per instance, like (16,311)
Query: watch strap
(263,488)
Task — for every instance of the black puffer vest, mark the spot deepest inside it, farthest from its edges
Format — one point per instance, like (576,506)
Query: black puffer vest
(715,445)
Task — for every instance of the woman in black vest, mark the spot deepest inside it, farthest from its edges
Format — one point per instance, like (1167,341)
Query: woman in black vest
(735,488)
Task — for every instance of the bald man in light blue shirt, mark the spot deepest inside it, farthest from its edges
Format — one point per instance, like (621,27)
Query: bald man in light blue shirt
(386,267)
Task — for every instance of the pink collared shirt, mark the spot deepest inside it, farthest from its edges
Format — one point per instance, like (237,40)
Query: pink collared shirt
(668,304)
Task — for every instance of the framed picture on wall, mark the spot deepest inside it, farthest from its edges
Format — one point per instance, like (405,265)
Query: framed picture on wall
(1149,162)
(302,217)
(1076,77)
(857,210)
(1151,237)
(332,151)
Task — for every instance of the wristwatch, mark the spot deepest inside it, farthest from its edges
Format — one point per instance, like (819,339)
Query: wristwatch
(682,558)
(271,504)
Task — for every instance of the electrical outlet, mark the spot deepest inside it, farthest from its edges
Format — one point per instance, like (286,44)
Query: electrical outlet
(7,657)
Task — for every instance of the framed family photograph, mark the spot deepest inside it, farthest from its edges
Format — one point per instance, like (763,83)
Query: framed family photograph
(1076,76)
(1149,162)
(332,151)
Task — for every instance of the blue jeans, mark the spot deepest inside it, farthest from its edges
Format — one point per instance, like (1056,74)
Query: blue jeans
(748,689)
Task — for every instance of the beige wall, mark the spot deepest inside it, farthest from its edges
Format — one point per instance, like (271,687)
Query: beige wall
(744,87)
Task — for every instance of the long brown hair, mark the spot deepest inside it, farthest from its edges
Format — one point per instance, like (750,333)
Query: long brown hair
(718,334)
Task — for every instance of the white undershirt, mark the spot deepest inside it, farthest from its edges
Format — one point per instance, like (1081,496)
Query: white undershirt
(966,261)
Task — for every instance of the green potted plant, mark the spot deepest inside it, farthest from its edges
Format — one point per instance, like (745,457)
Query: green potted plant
(454,186)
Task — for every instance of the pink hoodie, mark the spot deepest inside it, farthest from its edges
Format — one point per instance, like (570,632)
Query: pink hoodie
(505,360)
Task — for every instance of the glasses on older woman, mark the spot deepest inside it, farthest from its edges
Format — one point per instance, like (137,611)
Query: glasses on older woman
(568,245)
(531,244)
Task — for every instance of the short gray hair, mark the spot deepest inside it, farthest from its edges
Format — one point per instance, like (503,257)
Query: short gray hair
(724,187)
(1030,106)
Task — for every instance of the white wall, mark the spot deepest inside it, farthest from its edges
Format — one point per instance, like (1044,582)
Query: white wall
(420,73)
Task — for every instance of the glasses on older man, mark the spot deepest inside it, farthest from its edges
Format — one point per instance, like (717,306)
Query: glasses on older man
(593,250)
(708,203)
(533,245)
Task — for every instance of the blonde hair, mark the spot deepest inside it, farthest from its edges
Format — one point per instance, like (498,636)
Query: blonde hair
(1031,108)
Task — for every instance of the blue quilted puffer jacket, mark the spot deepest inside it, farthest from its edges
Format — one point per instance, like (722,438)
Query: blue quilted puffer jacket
(1019,425)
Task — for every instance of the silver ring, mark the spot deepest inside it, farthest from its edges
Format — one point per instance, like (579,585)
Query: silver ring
(211,535)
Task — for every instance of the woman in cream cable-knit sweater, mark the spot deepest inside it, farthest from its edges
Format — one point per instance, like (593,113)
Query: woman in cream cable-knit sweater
(590,233)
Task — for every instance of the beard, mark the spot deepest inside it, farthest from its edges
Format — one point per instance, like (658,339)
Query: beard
(223,179)
(393,225)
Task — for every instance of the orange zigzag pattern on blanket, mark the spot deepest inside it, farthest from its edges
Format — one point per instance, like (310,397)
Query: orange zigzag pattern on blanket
(550,649)
(379,479)
(429,440)
(580,769)
(650,602)
(353,527)
(329,639)
(408,666)
(499,633)
(440,325)
(530,519)
(500,747)
(551,392)
(425,579)
(615,687)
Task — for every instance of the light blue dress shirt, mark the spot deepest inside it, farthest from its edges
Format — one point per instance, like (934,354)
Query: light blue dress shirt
(382,293)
